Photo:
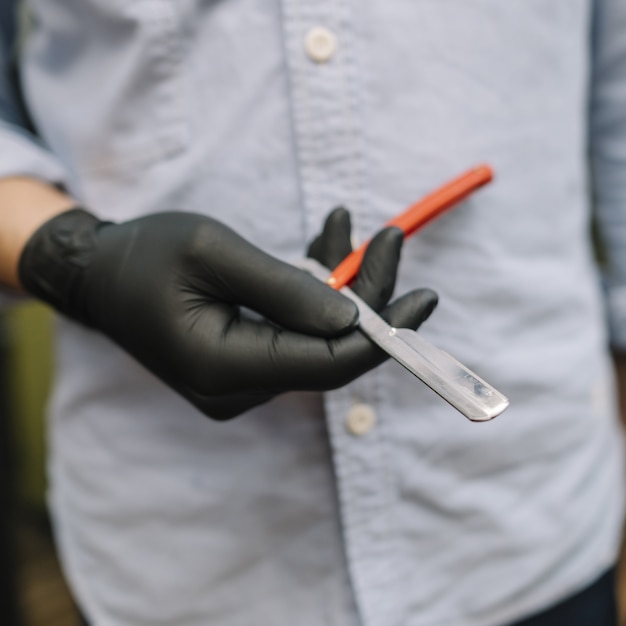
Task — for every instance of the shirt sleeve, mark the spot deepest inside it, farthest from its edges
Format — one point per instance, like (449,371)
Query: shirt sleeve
(21,152)
(607,143)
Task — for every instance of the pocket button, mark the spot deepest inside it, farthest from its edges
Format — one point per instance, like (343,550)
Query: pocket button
(320,44)
(361,419)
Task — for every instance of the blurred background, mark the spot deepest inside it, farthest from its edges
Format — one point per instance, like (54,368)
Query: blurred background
(33,591)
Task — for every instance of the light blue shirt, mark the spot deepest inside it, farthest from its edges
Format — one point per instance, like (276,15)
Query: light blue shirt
(291,515)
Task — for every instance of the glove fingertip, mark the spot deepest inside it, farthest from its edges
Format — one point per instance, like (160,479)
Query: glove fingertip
(340,317)
(315,249)
(339,216)
(392,235)
(430,301)
(376,279)
(412,309)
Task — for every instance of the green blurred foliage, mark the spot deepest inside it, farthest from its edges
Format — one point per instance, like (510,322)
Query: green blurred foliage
(29,328)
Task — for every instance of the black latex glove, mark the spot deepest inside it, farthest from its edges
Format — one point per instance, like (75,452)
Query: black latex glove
(377,276)
(168,288)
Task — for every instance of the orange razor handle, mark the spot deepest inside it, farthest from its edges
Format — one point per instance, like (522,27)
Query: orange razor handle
(417,216)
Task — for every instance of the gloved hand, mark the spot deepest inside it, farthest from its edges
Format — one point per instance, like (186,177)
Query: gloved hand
(377,276)
(168,288)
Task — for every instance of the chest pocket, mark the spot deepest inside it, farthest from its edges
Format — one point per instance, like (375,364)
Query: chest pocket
(114,71)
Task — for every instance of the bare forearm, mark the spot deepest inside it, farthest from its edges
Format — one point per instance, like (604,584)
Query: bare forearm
(25,204)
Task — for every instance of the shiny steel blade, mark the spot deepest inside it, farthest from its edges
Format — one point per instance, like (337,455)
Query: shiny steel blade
(456,384)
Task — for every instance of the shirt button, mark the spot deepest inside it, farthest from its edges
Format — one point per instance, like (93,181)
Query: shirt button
(361,419)
(320,44)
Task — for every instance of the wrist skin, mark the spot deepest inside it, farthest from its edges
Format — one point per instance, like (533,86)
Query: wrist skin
(25,204)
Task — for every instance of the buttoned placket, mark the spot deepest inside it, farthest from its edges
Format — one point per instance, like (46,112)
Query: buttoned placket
(330,143)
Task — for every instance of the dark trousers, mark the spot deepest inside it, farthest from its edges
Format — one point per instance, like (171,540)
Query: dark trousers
(593,606)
